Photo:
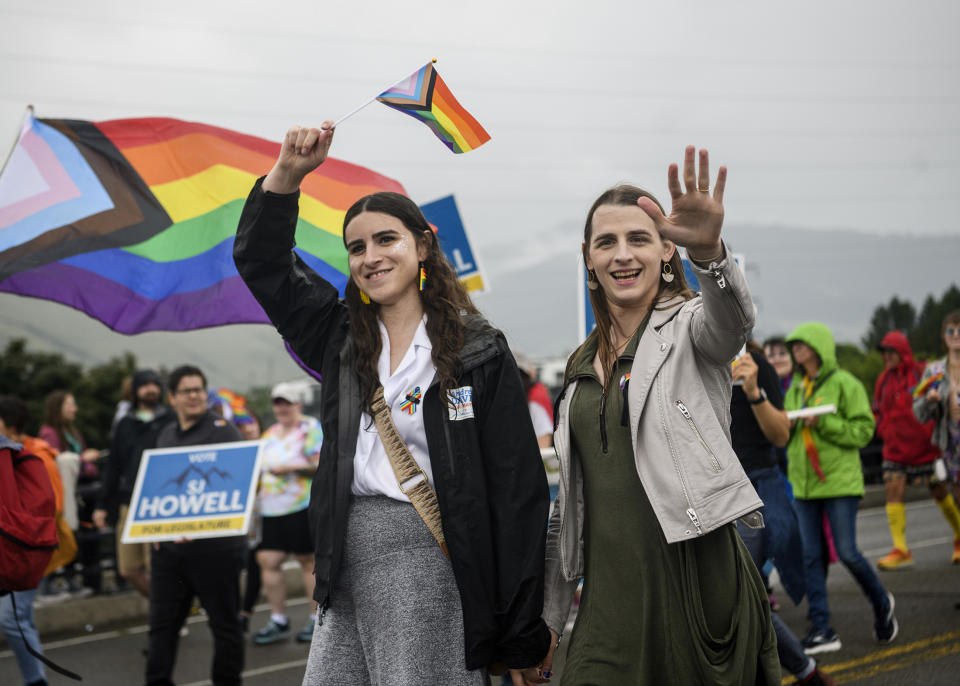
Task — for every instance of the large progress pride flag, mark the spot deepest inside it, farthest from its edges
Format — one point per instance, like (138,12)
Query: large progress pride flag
(132,220)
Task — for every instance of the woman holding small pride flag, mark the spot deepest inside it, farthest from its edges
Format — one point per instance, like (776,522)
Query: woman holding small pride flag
(937,397)
(909,454)
(429,505)
(650,487)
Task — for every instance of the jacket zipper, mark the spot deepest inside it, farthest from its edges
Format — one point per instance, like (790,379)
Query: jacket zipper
(445,420)
(722,285)
(695,519)
(691,513)
(323,611)
(686,415)
(603,420)
(562,448)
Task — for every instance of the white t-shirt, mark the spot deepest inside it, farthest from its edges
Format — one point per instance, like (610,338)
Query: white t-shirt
(403,393)
(542,421)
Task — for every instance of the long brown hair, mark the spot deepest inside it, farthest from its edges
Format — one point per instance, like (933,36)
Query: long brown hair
(626,195)
(444,299)
(53,417)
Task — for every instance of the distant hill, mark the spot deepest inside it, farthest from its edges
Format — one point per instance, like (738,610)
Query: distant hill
(795,275)
(837,277)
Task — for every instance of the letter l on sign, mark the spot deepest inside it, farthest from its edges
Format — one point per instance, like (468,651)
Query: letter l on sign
(460,265)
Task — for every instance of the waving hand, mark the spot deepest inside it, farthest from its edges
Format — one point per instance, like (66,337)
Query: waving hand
(696,216)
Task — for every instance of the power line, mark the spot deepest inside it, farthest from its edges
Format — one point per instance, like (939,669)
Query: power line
(301,31)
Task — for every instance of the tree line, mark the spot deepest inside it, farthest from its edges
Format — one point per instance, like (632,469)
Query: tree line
(32,375)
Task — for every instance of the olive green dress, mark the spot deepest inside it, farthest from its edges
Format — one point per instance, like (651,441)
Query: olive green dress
(694,612)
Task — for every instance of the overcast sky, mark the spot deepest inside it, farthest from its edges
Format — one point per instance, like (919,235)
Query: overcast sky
(829,115)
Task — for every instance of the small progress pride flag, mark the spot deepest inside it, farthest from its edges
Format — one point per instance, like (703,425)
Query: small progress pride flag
(424,96)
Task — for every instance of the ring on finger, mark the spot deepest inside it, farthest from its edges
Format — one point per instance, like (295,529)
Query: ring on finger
(704,190)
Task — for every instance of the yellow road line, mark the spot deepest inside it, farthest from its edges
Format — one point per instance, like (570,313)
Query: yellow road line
(873,670)
(879,655)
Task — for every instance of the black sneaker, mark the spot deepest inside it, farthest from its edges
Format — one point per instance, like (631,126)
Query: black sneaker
(886,629)
(821,641)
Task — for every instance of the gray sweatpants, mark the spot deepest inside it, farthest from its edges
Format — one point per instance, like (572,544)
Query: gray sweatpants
(394,617)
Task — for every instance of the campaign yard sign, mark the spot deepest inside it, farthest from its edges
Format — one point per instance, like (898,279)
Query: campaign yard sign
(454,242)
(200,491)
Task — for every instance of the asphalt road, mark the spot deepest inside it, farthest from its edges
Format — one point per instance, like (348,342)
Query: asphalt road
(927,651)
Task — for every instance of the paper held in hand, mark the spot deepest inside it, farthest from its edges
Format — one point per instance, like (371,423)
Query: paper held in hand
(811,411)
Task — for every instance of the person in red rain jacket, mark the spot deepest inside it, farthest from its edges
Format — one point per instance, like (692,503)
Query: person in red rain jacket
(908,454)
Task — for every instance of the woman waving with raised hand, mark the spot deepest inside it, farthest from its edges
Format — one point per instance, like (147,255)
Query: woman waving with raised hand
(650,487)
(429,505)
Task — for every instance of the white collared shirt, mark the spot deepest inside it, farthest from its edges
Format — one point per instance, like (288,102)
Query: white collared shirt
(372,473)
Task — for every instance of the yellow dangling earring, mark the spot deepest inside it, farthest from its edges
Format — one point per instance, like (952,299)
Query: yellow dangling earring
(364,298)
(423,277)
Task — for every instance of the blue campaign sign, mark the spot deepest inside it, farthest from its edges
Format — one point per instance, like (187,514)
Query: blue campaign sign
(202,491)
(452,234)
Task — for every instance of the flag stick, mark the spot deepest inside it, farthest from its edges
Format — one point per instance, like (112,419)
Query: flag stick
(353,111)
(6,160)
(373,99)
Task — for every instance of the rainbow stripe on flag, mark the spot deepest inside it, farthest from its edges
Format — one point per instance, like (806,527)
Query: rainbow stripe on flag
(932,381)
(425,97)
(132,220)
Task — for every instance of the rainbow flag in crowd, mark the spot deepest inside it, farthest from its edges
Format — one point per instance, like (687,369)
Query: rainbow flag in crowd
(232,406)
(132,220)
(425,97)
(932,381)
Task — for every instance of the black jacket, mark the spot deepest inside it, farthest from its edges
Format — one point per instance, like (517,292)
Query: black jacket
(487,470)
(130,439)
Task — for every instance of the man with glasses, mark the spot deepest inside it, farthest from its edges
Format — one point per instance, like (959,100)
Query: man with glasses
(206,568)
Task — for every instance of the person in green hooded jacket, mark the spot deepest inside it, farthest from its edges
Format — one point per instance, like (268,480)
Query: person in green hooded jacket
(823,457)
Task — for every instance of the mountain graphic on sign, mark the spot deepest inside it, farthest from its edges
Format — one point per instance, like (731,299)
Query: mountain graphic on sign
(193,469)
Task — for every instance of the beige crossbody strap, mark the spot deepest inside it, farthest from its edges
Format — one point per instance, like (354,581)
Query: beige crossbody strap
(406,469)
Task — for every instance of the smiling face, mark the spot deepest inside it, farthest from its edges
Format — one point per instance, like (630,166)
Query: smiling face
(626,253)
(779,359)
(384,257)
(189,398)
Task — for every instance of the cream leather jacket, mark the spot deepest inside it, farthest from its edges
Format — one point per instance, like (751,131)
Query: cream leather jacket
(679,409)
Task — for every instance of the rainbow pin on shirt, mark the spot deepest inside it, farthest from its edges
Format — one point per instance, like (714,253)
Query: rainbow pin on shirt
(623,380)
(410,404)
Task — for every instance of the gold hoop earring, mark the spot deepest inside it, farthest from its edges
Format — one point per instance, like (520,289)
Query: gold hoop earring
(667,273)
(592,282)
